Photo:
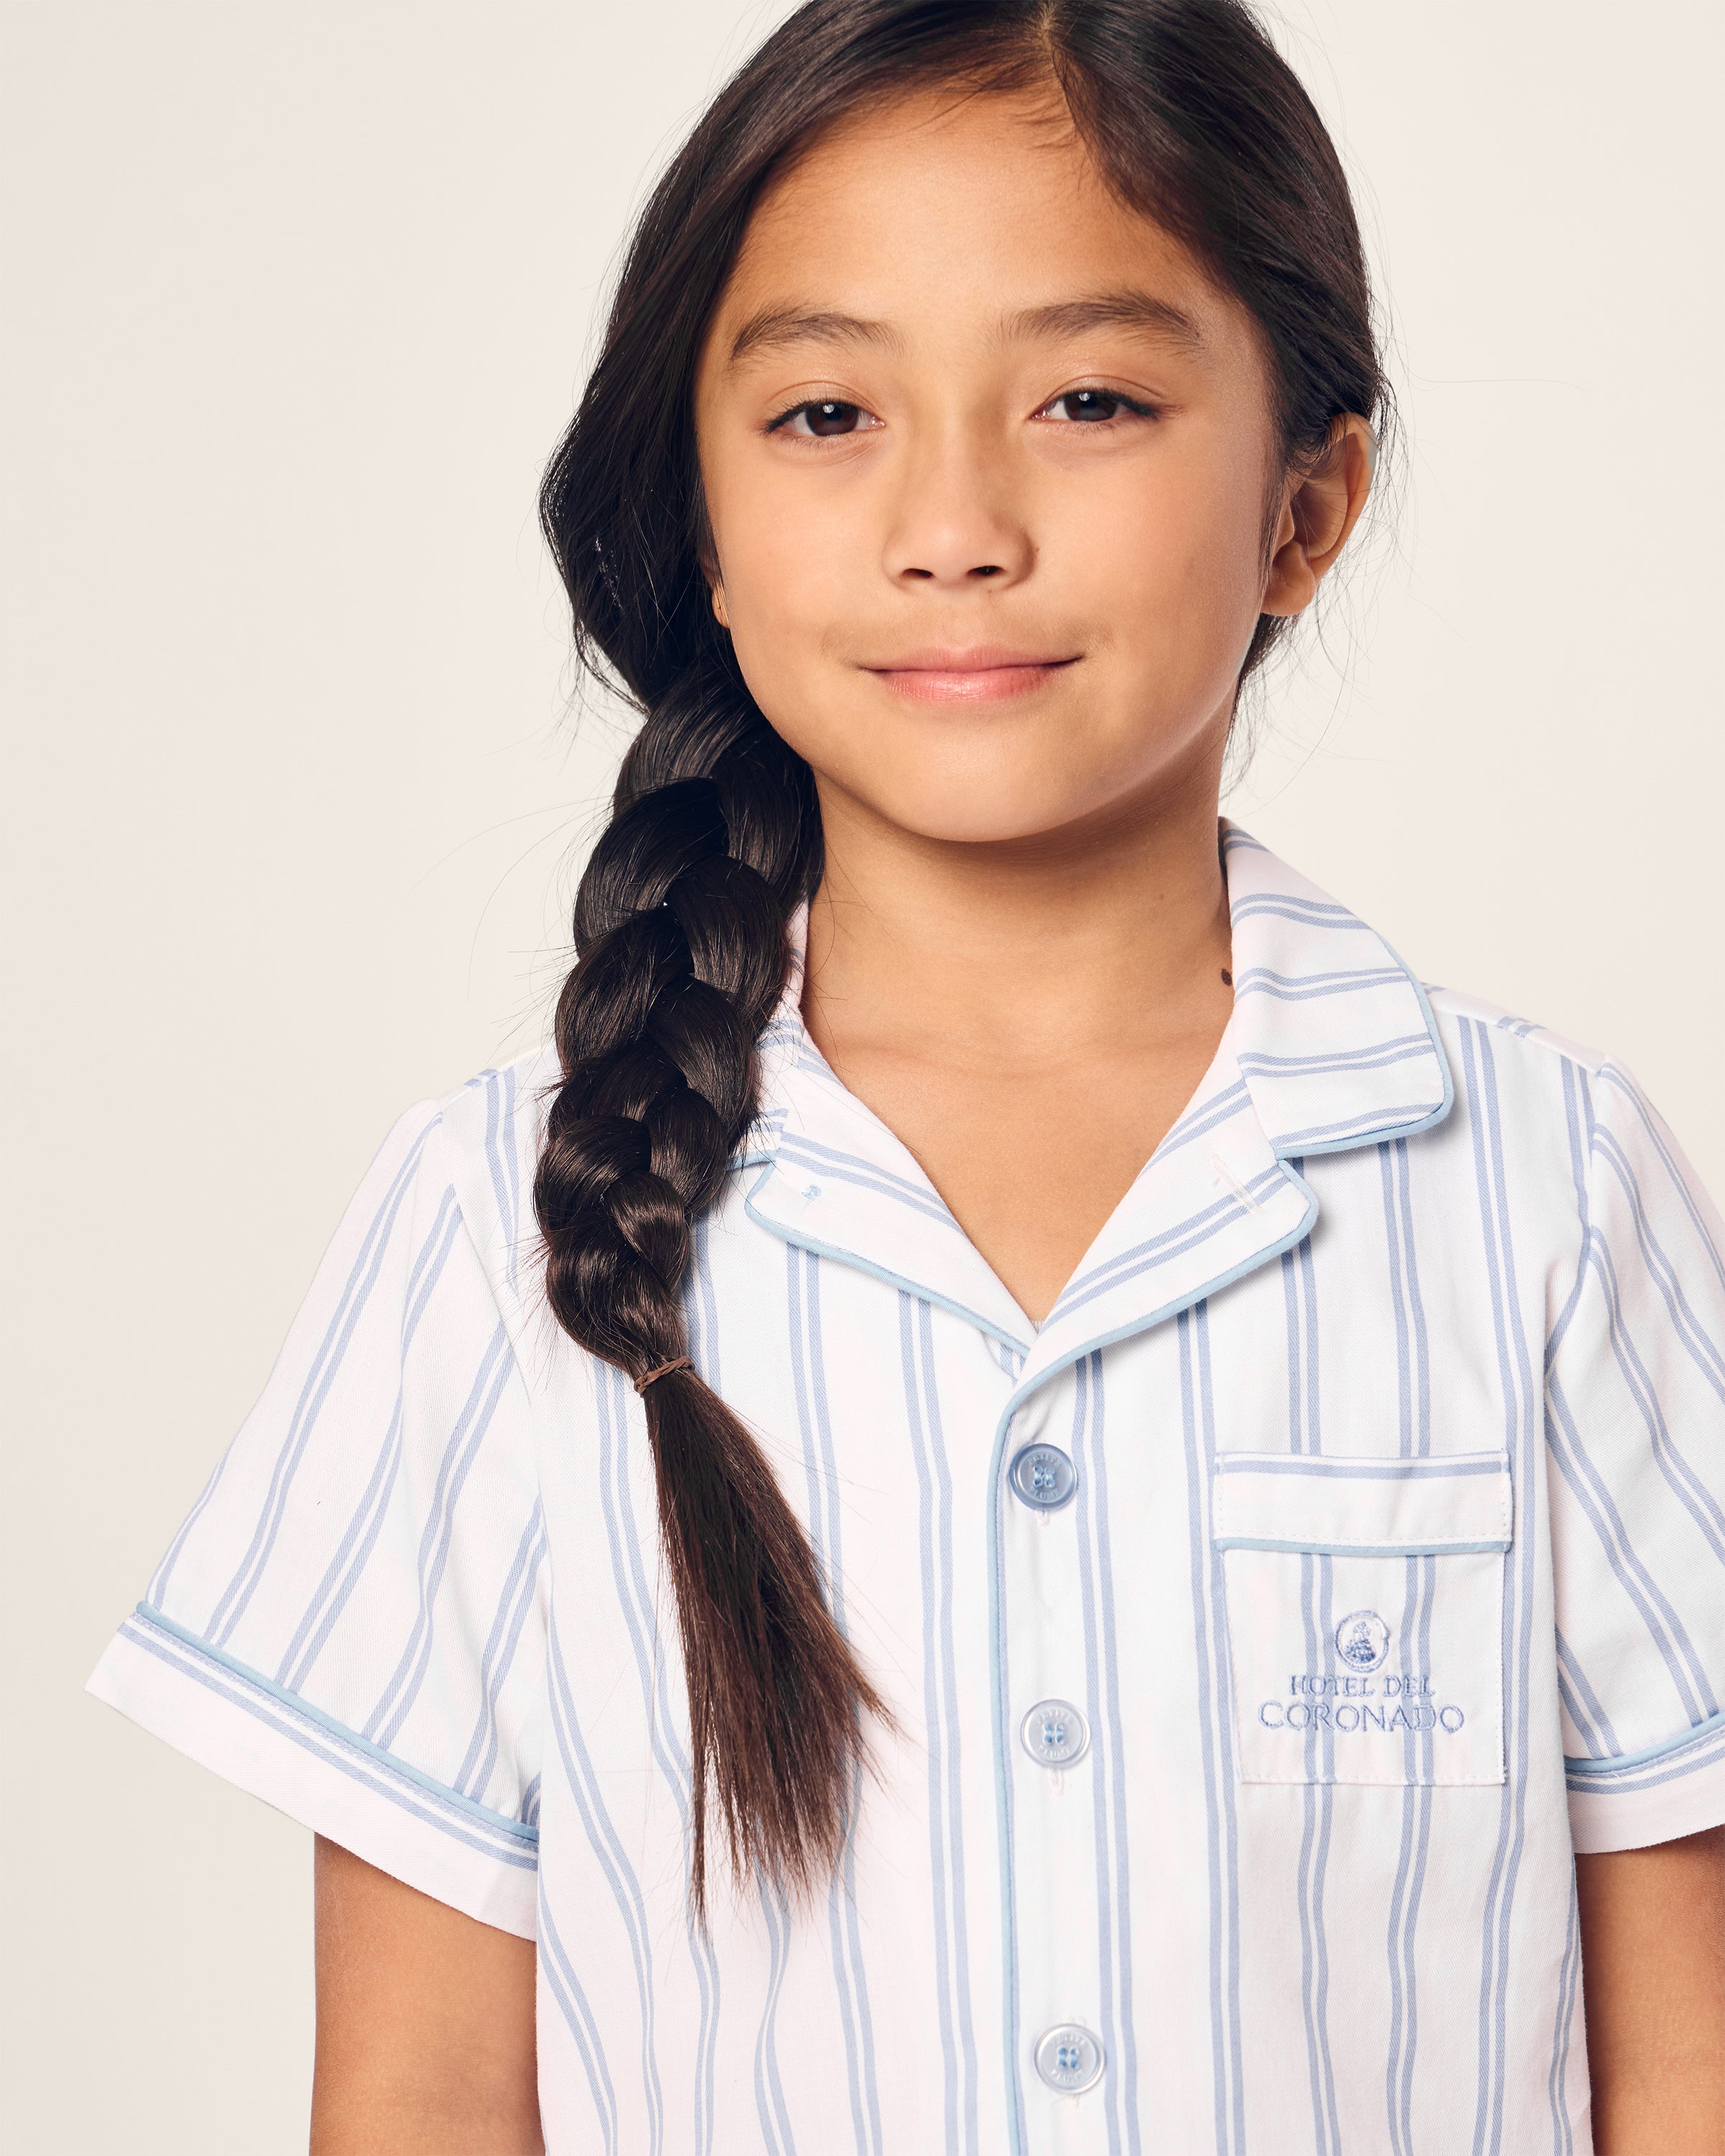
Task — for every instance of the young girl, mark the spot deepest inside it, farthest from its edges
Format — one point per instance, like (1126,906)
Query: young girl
(1024,1500)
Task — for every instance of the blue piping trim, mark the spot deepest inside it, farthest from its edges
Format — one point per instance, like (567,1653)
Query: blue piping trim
(997,1495)
(1594,1769)
(1292,1240)
(514,1828)
(1334,1466)
(902,1281)
(1359,1549)
(1384,1136)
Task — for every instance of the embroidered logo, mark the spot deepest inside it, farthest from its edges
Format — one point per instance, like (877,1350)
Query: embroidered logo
(1357,1698)
(1363,1641)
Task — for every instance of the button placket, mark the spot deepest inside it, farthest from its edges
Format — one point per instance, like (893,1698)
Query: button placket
(1056,1922)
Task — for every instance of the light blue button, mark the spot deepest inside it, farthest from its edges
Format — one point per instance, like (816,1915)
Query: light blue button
(1069,2058)
(1043,1476)
(1053,1733)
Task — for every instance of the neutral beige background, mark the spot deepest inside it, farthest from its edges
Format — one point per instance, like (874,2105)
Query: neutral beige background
(295,301)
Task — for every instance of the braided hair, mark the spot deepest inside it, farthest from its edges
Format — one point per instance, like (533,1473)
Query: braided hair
(679,925)
(715,839)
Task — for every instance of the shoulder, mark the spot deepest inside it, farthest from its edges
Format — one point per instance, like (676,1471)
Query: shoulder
(483,1143)
(498,1107)
(1521,1042)
(1521,1075)
(1541,1096)
(1524,1103)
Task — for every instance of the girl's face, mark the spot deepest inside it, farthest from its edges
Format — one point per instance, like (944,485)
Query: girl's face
(990,465)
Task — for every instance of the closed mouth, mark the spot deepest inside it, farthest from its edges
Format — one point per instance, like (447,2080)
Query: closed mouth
(988,673)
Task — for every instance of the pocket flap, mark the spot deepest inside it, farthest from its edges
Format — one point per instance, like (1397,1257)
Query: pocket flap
(1280,1500)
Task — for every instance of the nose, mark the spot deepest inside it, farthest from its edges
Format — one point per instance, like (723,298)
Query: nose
(954,522)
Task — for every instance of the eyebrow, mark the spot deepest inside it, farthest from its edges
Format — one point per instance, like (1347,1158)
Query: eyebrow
(1129,310)
(773,327)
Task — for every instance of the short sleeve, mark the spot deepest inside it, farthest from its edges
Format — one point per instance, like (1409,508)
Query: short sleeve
(1635,1422)
(350,1621)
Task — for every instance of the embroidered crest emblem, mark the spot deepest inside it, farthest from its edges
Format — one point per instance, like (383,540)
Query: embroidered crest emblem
(1363,1640)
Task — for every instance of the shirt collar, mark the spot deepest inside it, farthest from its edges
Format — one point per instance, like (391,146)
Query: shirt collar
(1333,1036)
(1330,1044)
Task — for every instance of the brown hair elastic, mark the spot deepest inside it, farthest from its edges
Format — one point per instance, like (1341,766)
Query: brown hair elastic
(664,1369)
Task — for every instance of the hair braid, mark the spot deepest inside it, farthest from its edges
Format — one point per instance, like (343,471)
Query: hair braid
(680,930)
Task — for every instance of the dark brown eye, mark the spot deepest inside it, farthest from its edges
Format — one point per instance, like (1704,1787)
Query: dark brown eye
(829,418)
(1091,403)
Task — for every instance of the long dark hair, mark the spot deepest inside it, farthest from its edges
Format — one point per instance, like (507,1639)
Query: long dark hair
(715,837)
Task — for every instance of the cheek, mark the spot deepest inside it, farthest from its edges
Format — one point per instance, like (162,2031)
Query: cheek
(1174,564)
(797,591)
(789,606)
(796,563)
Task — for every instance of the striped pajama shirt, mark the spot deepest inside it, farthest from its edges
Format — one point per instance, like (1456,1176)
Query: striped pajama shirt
(1263,1632)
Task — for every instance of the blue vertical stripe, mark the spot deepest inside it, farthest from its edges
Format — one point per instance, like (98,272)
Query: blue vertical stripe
(1666,1628)
(1686,1486)
(702,1319)
(935,1439)
(1590,1718)
(1312,1874)
(1299,1298)
(617,1872)
(503,1160)
(353,1552)
(1215,1726)
(494,1374)
(355,1294)
(1613,1080)
(940,1692)
(999,1646)
(769,2090)
(1408,1887)
(1414,1404)
(1562,2032)
(1101,1664)
(516,1599)
(1521,1433)
(618,1414)
(1224,1695)
(826,1520)
(558,1972)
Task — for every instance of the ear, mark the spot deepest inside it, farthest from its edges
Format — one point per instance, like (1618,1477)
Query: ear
(708,562)
(1320,505)
(706,557)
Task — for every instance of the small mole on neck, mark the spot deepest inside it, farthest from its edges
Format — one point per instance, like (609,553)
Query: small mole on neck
(1228,977)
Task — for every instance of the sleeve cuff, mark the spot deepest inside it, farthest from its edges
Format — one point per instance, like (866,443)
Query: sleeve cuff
(267,1741)
(1657,1795)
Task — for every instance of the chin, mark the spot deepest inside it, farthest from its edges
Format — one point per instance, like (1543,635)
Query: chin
(963,814)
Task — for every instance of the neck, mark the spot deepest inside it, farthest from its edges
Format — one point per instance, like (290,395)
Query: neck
(1107,936)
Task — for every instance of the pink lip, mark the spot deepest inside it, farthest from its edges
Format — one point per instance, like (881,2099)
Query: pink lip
(983,673)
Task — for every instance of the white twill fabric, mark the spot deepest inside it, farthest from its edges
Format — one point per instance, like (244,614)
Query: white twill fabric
(1391,1401)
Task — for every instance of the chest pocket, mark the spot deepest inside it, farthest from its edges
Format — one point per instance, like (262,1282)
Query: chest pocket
(1365,1615)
